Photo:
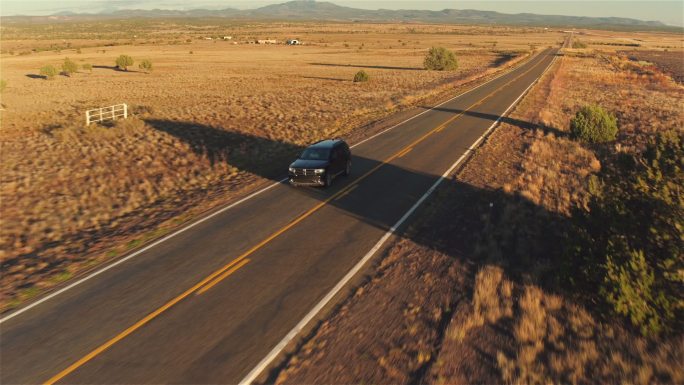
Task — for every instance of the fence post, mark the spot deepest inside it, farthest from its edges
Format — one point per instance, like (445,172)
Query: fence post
(125,110)
(87,118)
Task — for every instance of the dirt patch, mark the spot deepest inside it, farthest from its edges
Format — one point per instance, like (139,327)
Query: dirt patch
(671,62)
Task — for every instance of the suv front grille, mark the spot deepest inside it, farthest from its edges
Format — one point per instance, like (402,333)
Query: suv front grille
(305,172)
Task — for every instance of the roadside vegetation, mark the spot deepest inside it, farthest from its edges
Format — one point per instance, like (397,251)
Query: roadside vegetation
(574,247)
(48,72)
(123,62)
(631,241)
(361,77)
(594,125)
(145,65)
(441,59)
(578,44)
(69,67)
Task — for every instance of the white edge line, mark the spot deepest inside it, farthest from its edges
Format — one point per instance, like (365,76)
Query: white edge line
(153,244)
(266,361)
(136,253)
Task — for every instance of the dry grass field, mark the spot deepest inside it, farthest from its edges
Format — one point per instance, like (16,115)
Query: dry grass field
(495,235)
(211,120)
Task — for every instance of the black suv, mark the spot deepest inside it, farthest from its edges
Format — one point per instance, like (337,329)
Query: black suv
(320,163)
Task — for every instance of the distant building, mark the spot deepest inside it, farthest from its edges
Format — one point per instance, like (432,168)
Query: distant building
(267,41)
(227,38)
(207,38)
(293,42)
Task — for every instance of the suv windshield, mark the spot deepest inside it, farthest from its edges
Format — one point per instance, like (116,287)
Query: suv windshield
(315,154)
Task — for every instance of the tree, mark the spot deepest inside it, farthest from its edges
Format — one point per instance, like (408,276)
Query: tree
(69,67)
(48,71)
(145,65)
(124,61)
(361,76)
(440,59)
(593,124)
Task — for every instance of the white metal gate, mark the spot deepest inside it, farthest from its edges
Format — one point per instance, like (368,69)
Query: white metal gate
(107,113)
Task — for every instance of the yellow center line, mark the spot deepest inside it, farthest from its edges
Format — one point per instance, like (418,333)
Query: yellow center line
(216,275)
(222,276)
(406,151)
(347,192)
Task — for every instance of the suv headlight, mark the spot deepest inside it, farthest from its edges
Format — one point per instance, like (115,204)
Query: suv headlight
(319,170)
(292,170)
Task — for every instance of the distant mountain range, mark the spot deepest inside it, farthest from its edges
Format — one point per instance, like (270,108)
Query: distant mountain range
(321,10)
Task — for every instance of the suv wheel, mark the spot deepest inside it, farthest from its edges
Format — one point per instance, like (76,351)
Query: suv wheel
(347,169)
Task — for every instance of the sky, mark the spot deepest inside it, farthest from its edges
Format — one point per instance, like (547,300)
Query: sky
(668,12)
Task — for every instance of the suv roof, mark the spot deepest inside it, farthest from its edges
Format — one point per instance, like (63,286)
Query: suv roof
(327,143)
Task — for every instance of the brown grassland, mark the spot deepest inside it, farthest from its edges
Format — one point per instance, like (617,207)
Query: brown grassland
(468,294)
(211,121)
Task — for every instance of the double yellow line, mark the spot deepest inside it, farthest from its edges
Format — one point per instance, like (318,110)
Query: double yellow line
(225,271)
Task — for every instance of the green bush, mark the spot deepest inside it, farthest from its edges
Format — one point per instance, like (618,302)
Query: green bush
(49,72)
(87,67)
(124,61)
(361,76)
(632,242)
(593,124)
(440,59)
(69,67)
(578,44)
(3,85)
(145,65)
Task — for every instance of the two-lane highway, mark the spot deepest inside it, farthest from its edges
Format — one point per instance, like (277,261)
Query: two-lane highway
(208,304)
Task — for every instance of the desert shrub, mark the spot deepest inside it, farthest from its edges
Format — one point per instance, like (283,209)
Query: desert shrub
(87,67)
(69,67)
(78,50)
(361,76)
(124,61)
(578,44)
(48,71)
(3,85)
(145,65)
(593,124)
(440,59)
(631,243)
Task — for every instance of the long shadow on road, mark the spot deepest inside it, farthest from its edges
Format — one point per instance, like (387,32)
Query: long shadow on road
(504,119)
(472,225)
(479,210)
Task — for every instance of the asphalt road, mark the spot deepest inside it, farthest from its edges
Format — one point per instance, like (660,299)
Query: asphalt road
(157,318)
